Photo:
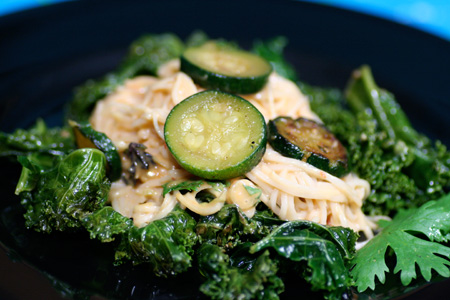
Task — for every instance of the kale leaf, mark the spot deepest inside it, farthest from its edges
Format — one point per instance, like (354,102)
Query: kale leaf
(223,281)
(167,244)
(403,167)
(39,138)
(272,50)
(145,55)
(325,250)
(416,237)
(62,195)
(106,223)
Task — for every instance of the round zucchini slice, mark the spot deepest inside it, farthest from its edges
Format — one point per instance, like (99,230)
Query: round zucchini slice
(231,70)
(88,137)
(306,140)
(216,135)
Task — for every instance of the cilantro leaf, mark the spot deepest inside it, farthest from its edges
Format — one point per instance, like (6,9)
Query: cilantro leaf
(405,235)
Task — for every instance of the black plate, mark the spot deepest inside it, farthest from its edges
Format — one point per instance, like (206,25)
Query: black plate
(46,52)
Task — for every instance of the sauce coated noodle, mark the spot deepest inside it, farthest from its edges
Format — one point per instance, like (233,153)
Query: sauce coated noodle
(292,189)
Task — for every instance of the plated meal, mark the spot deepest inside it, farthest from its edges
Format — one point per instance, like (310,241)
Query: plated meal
(200,156)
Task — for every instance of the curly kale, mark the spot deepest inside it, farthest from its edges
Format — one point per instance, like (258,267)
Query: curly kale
(57,198)
(51,142)
(224,281)
(145,55)
(166,244)
(320,253)
(405,169)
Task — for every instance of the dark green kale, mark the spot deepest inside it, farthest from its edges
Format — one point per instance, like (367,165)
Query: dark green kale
(39,138)
(166,244)
(145,55)
(57,198)
(190,185)
(272,51)
(230,227)
(429,166)
(258,280)
(404,168)
(106,223)
(322,254)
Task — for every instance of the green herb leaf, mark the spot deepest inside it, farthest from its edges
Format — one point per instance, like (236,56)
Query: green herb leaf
(404,236)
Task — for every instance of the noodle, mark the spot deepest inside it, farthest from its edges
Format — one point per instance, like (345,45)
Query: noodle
(292,189)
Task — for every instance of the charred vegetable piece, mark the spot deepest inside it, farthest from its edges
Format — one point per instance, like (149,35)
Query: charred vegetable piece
(88,137)
(139,158)
(225,68)
(308,141)
(216,135)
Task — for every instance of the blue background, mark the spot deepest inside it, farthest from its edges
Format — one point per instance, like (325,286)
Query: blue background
(432,16)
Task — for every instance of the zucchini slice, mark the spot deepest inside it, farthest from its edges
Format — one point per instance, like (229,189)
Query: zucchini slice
(88,137)
(231,70)
(306,140)
(216,135)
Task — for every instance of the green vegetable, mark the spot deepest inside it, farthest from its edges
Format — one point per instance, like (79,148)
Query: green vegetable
(167,244)
(217,66)
(306,140)
(216,135)
(139,159)
(417,238)
(229,227)
(88,137)
(106,223)
(272,51)
(190,185)
(257,281)
(145,56)
(401,174)
(427,169)
(325,250)
(38,139)
(66,193)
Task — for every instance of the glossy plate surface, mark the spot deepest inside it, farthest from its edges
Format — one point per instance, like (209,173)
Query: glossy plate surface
(48,51)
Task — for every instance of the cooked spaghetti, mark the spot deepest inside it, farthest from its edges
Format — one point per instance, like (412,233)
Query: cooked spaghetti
(292,189)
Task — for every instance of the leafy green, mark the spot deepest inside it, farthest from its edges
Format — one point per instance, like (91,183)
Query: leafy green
(39,138)
(257,281)
(229,227)
(167,244)
(401,174)
(430,166)
(415,237)
(145,55)
(106,223)
(324,249)
(190,185)
(61,196)
(272,50)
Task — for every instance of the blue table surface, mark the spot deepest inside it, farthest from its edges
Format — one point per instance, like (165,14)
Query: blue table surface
(432,16)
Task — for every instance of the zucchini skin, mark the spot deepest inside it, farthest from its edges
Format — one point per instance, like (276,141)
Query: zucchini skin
(211,80)
(334,162)
(226,80)
(227,170)
(88,137)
